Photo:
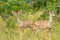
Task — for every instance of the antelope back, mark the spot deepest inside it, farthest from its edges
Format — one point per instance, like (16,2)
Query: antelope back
(27,23)
(42,24)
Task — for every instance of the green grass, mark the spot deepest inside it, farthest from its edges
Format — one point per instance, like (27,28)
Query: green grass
(7,33)
(14,34)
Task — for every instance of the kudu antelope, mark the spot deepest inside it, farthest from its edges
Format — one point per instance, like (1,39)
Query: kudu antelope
(44,24)
(35,25)
(22,24)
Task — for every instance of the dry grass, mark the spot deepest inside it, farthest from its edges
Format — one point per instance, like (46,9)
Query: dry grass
(7,33)
(14,34)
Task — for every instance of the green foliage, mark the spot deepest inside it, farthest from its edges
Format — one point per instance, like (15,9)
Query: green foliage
(33,6)
(51,6)
(11,22)
(4,0)
(38,4)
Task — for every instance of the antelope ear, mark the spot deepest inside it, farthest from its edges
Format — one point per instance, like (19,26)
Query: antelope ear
(12,11)
(20,10)
(49,11)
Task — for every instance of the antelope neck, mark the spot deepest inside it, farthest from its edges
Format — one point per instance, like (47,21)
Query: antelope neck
(18,19)
(50,18)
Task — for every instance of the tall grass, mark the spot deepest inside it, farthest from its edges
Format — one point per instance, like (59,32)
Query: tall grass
(10,33)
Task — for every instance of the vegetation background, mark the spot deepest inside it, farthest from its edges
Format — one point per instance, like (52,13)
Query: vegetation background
(32,9)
